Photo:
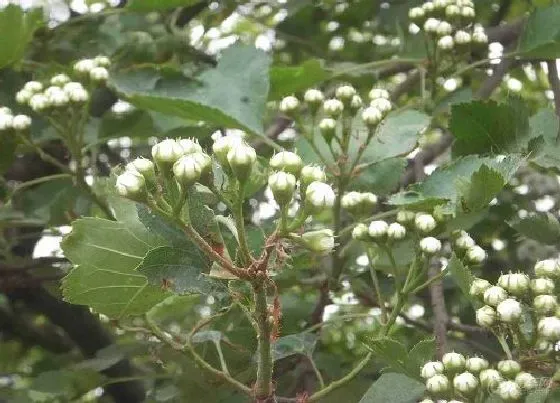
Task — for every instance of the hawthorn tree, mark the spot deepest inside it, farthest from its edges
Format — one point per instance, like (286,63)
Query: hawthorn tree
(279,201)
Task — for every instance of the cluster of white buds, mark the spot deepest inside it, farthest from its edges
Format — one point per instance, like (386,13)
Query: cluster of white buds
(449,23)
(461,378)
(235,156)
(358,203)
(95,69)
(9,122)
(464,246)
(379,231)
(319,241)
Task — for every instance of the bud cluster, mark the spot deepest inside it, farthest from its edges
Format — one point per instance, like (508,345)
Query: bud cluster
(465,247)
(464,378)
(11,123)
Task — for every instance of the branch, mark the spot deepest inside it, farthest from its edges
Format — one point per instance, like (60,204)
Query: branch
(440,311)
(554,82)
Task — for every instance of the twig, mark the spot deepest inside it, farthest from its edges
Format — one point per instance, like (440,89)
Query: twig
(554,82)
(440,311)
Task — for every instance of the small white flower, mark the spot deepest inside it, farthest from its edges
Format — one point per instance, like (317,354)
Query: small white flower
(102,61)
(312,173)
(39,102)
(430,245)
(97,7)
(282,185)
(345,92)
(462,38)
(190,146)
(372,116)
(549,328)
(478,286)
(431,368)
(494,295)
(476,364)
(514,283)
(313,96)
(425,222)
(464,242)
(23,96)
(468,12)
(20,122)
(465,383)
(509,391)
(405,216)
(167,152)
(360,232)
(526,381)
(6,122)
(319,196)
(509,368)
(376,93)
(416,13)
(445,42)
(486,316)
(287,161)
(33,86)
(76,92)
(378,229)
(542,286)
(509,310)
(60,80)
(383,104)
(437,384)
(99,74)
(396,231)
(431,25)
(122,107)
(479,37)
(476,254)
(241,159)
(186,170)
(57,97)
(350,200)
(333,107)
(131,184)
(321,241)
(444,28)
(289,104)
(453,362)
(547,268)
(84,65)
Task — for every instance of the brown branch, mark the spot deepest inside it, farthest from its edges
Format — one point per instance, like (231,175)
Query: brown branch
(554,82)
(440,311)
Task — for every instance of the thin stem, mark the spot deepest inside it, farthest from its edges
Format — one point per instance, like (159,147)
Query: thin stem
(38,181)
(377,63)
(428,282)
(377,216)
(375,279)
(317,372)
(396,274)
(263,386)
(46,157)
(504,345)
(223,363)
(240,224)
(394,314)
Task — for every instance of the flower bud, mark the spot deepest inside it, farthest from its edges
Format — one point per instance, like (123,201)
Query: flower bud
(478,286)
(84,66)
(509,311)
(490,379)
(205,163)
(318,197)
(464,242)
(468,13)
(437,384)
(23,96)
(283,186)
(549,328)
(526,381)
(190,146)
(56,96)
(547,268)
(444,28)
(356,103)
(509,391)
(479,38)
(430,245)
(6,122)
(102,61)
(333,107)
(431,25)
(475,255)
(509,368)
(131,185)
(514,283)
(143,166)
(405,217)
(462,38)
(166,153)
(465,383)
(320,241)
(416,14)
(39,102)
(60,80)
(287,161)
(486,316)
(241,159)
(431,368)
(425,222)
(20,122)
(360,232)
(327,126)
(78,95)
(494,295)
(222,147)
(372,116)
(545,304)
(187,171)
(312,173)
(33,86)
(542,286)
(476,364)
(428,7)
(396,231)
(376,93)
(378,229)
(99,74)
(313,97)
(289,105)
(453,362)
(445,42)
(382,104)
(452,11)
(345,93)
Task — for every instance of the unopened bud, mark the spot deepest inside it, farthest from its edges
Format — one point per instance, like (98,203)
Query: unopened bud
(20,122)
(376,93)
(490,379)
(475,254)
(319,197)
(476,364)
(547,268)
(494,295)
(542,286)
(382,104)
(549,328)
(437,384)
(431,369)
(131,185)
(360,232)
(509,311)
(430,245)
(509,368)
(372,116)
(514,283)
(320,241)
(396,231)
(453,362)
(345,93)
(39,102)
(486,316)
(333,107)
(313,97)
(465,383)
(445,42)
(378,229)
(478,286)
(287,161)
(356,103)
(283,186)
(241,159)
(6,122)
(145,167)
(187,171)
(99,74)
(166,153)
(190,146)
(425,223)
(545,304)
(526,381)
(289,105)
(312,173)
(222,147)
(405,217)
(60,80)
(33,86)
(84,66)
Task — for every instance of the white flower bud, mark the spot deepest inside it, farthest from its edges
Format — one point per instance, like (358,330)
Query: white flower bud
(102,61)
(396,231)
(476,364)
(383,104)
(187,171)
(465,383)
(318,197)
(345,92)
(204,161)
(430,245)
(23,96)
(462,38)
(514,283)
(425,222)
(289,105)
(79,95)
(356,102)
(241,159)
(453,362)
(405,217)
(99,74)
(166,153)
(4,110)
(509,368)
(445,42)
(526,381)
(143,166)
(313,97)
(452,11)
(60,80)
(509,391)
(542,286)
(416,13)
(509,311)
(468,13)
(333,107)
(39,102)
(350,200)
(376,93)
(360,232)
(480,37)
(20,122)
(132,185)
(464,3)
(378,229)
(56,96)
(327,126)
(283,186)
(33,86)
(84,66)
(222,147)
(490,379)
(494,295)
(6,122)
(547,268)
(431,368)
(545,304)
(486,316)
(428,7)
(464,242)
(321,241)
(72,86)
(437,384)
(287,161)
(372,116)
(312,173)
(549,328)
(190,146)
(444,28)
(431,25)
(440,4)
(476,254)
(478,286)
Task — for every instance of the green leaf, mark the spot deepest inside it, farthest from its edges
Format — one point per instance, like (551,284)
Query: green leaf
(541,36)
(393,353)
(104,359)
(105,254)
(16,31)
(289,80)
(482,127)
(422,352)
(300,343)
(234,94)
(157,5)
(461,274)
(380,178)
(478,191)
(394,388)
(542,227)
(545,151)
(537,396)
(180,270)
